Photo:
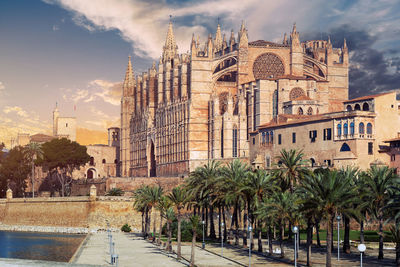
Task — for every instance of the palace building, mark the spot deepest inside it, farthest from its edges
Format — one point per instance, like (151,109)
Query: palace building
(190,108)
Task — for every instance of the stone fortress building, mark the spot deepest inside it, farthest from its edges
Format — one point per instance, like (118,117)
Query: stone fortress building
(205,104)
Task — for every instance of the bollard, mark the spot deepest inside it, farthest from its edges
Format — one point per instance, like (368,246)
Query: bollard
(114,259)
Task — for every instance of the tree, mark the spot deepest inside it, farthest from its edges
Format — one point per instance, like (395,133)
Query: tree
(328,194)
(378,182)
(169,216)
(14,171)
(115,192)
(194,223)
(33,152)
(61,157)
(163,205)
(178,199)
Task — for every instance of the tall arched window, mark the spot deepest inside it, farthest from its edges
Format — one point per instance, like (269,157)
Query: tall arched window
(339,129)
(352,128)
(357,107)
(369,128)
(234,142)
(263,138)
(365,107)
(309,111)
(271,137)
(345,129)
(300,111)
(361,128)
(267,138)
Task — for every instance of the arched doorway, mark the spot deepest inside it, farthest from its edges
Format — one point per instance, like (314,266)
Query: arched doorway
(152,160)
(91,173)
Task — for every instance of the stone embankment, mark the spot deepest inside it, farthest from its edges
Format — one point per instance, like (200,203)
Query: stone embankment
(44,229)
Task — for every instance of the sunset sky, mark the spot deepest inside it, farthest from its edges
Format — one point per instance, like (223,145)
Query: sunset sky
(74,52)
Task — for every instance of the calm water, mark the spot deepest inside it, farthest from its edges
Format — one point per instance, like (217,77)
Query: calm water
(39,246)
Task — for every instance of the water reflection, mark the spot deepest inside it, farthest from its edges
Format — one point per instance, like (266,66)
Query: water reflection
(38,246)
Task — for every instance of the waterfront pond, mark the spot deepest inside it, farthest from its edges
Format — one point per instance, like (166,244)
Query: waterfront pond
(39,246)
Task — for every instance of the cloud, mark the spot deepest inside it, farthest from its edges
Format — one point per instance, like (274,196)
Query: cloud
(18,110)
(2,87)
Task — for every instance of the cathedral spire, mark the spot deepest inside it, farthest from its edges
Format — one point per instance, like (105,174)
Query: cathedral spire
(170,47)
(294,36)
(218,38)
(129,80)
(344,44)
(284,39)
(243,38)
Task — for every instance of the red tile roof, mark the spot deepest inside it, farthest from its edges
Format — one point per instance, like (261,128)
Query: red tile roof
(367,97)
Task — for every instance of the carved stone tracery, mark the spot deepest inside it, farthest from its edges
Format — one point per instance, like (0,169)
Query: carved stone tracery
(267,66)
(295,93)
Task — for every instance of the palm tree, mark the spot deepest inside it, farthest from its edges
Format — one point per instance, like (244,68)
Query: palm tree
(178,198)
(156,194)
(194,223)
(329,194)
(34,151)
(231,183)
(170,217)
(163,205)
(290,168)
(395,233)
(378,183)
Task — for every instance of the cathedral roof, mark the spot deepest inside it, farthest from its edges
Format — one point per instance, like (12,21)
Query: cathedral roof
(262,43)
(367,97)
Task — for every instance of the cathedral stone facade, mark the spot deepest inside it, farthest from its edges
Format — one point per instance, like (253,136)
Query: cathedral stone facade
(204,105)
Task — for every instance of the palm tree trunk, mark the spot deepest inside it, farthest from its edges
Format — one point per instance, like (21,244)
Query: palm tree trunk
(178,250)
(219,223)
(346,242)
(362,232)
(159,234)
(309,241)
(290,231)
(317,230)
(149,223)
(235,219)
(33,179)
(193,248)
(281,235)
(206,221)
(329,241)
(143,223)
(269,232)
(224,220)
(260,247)
(169,246)
(212,225)
(380,256)
(332,235)
(154,228)
(244,229)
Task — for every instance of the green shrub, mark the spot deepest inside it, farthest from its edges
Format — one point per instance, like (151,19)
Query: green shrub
(126,228)
(115,192)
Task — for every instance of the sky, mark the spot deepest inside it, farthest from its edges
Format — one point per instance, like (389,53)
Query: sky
(75,52)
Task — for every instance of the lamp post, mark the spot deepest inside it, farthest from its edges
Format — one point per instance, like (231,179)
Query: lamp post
(361,248)
(250,231)
(203,245)
(222,239)
(295,230)
(338,218)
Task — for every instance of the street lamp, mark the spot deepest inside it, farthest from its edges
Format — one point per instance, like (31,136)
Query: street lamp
(203,245)
(295,230)
(250,229)
(338,218)
(222,239)
(361,248)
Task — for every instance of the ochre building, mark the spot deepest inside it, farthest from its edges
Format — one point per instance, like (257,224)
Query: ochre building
(203,105)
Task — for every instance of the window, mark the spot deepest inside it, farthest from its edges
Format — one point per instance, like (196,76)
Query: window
(293,138)
(267,161)
(327,162)
(339,129)
(357,107)
(66,125)
(234,143)
(345,147)
(370,148)
(279,139)
(393,157)
(91,162)
(222,142)
(267,138)
(254,141)
(300,111)
(263,138)
(348,108)
(328,134)
(309,111)
(312,162)
(365,107)
(345,129)
(369,128)
(271,137)
(361,128)
(313,135)
(103,161)
(352,128)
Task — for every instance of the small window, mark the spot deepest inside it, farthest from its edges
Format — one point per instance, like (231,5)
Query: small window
(393,157)
(365,107)
(103,161)
(293,138)
(309,111)
(327,162)
(254,141)
(328,134)
(267,138)
(300,111)
(66,125)
(91,162)
(369,128)
(352,128)
(313,135)
(339,129)
(361,128)
(345,129)
(370,148)
(271,137)
(312,162)
(345,147)
(279,139)
(357,107)
(116,161)
(349,108)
